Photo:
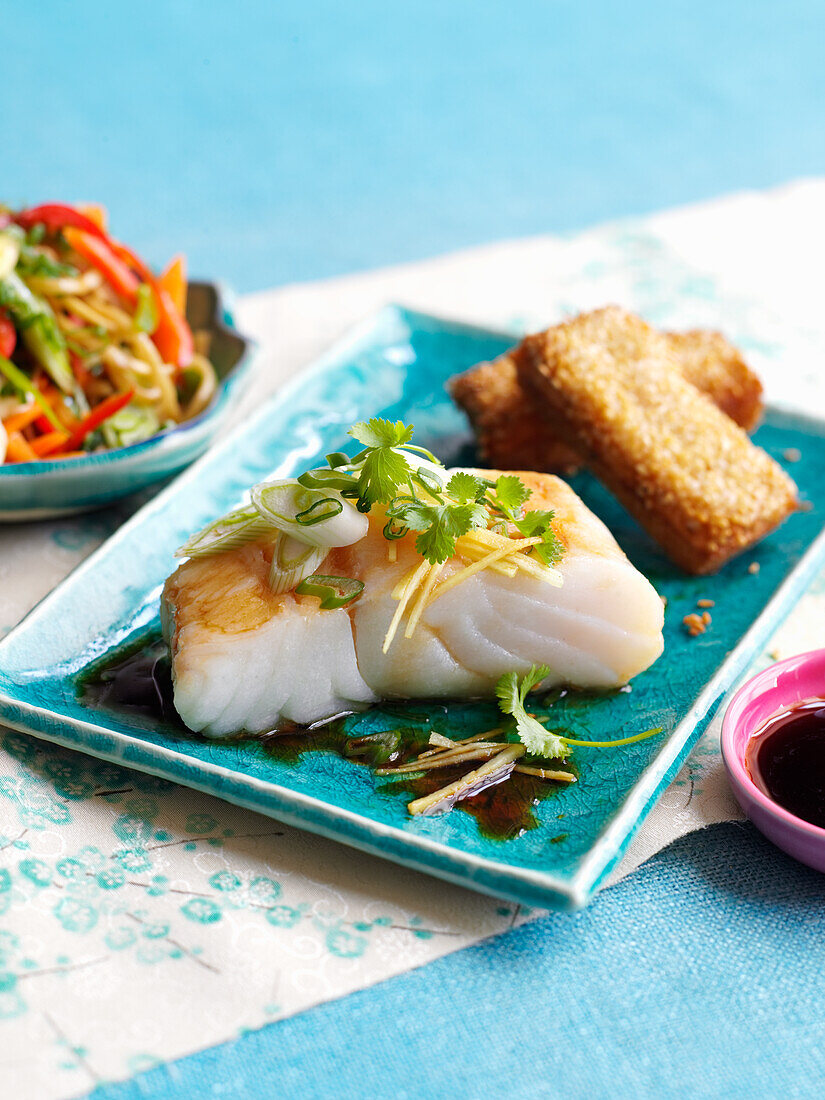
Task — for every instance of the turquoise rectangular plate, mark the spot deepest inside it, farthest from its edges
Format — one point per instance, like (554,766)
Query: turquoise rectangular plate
(396,366)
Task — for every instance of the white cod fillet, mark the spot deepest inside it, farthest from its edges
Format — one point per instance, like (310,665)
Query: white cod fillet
(245,659)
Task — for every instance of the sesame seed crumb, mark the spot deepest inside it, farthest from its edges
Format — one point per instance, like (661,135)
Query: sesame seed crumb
(753,567)
(706,603)
(792,454)
(706,619)
(693,624)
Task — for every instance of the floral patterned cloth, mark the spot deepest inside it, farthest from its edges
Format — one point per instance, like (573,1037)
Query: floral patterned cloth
(140,921)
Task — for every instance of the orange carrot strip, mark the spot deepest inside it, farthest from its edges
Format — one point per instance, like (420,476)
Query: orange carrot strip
(48,444)
(20,420)
(18,450)
(95,213)
(173,281)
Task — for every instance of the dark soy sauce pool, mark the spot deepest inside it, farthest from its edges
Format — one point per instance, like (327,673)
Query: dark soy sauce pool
(136,680)
(786,760)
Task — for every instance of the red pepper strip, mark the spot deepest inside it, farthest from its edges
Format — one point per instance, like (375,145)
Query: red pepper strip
(173,336)
(101,255)
(8,335)
(56,216)
(79,370)
(96,417)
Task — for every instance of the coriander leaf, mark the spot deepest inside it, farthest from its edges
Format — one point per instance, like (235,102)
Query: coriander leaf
(382,471)
(550,550)
(532,734)
(378,432)
(537,522)
(440,525)
(463,486)
(511,492)
(533,523)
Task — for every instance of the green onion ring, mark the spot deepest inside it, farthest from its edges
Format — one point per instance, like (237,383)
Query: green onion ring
(333,592)
(322,509)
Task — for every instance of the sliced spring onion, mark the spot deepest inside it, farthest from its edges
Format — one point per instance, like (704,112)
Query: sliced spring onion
(293,562)
(332,591)
(326,479)
(9,250)
(282,502)
(236,529)
(322,509)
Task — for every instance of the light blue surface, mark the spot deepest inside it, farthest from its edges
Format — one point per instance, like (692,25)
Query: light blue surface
(700,977)
(288,140)
(397,365)
(278,141)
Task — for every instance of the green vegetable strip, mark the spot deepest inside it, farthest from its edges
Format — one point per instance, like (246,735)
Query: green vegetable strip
(146,311)
(38,328)
(24,385)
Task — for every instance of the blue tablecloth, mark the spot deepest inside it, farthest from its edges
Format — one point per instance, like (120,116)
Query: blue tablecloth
(274,142)
(702,976)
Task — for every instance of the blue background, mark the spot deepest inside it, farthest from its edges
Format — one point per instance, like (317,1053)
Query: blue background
(303,138)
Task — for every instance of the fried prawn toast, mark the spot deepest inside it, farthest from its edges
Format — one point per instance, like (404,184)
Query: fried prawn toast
(682,467)
(246,658)
(514,428)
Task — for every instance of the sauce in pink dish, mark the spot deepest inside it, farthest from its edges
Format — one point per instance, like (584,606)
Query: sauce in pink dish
(785,758)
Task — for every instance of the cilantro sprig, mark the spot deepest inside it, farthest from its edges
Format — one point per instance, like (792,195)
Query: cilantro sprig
(511,694)
(389,471)
(507,498)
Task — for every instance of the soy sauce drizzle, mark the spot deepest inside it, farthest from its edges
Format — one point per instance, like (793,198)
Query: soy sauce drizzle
(786,760)
(502,812)
(136,681)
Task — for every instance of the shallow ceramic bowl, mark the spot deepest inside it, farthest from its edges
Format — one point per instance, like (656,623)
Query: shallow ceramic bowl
(36,490)
(765,695)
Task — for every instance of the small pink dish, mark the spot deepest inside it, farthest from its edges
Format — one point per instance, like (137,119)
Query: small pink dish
(763,697)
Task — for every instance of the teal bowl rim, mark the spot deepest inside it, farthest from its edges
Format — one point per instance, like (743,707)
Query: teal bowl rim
(224,319)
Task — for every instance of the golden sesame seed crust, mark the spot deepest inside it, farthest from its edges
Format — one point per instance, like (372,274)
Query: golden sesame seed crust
(514,431)
(715,367)
(507,420)
(682,467)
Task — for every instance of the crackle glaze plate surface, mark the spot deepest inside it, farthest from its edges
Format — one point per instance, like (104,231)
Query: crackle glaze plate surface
(396,366)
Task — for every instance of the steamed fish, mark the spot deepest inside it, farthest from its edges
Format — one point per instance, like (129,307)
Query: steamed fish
(246,657)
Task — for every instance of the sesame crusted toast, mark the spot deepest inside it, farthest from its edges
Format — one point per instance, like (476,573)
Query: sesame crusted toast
(514,431)
(507,420)
(681,466)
